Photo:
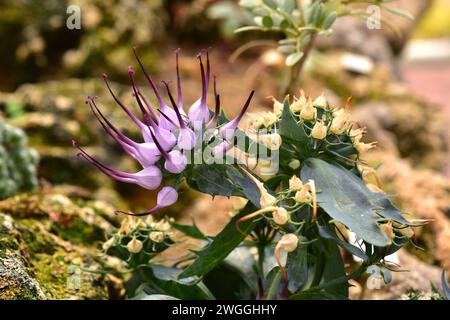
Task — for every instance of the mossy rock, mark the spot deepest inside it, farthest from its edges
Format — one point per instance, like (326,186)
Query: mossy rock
(48,248)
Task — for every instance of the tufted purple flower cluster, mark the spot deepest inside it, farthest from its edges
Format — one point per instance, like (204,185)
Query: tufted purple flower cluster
(168,133)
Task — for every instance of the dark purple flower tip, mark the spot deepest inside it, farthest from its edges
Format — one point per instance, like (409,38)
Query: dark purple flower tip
(131,71)
(228,129)
(167,196)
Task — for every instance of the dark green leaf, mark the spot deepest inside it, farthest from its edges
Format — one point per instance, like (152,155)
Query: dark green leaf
(215,252)
(345,198)
(289,128)
(329,234)
(191,231)
(164,280)
(228,282)
(297,269)
(223,180)
(273,285)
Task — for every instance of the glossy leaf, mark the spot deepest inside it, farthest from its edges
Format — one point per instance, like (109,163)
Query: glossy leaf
(346,198)
(293,58)
(221,246)
(223,180)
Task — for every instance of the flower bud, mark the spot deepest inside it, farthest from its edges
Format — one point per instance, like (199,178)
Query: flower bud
(294,164)
(108,244)
(272,141)
(124,229)
(298,104)
(280,216)
(156,236)
(362,147)
(162,225)
(288,242)
(277,107)
(295,184)
(268,119)
(304,195)
(308,111)
(134,246)
(319,131)
(321,102)
(340,122)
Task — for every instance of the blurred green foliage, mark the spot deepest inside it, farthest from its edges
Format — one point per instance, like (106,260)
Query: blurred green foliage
(43,46)
(17,162)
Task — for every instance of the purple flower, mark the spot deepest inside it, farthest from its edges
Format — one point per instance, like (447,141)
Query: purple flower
(167,196)
(167,132)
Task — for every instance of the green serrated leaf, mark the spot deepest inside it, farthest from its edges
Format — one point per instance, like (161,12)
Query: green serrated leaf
(293,58)
(297,268)
(225,242)
(345,198)
(224,180)
(165,281)
(290,129)
(326,233)
(191,231)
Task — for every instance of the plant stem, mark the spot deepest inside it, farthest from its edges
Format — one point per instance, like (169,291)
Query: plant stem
(296,70)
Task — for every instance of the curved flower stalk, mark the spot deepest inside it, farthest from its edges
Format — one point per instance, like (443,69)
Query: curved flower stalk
(169,134)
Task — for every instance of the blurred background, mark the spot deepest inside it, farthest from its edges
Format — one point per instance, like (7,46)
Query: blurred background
(61,207)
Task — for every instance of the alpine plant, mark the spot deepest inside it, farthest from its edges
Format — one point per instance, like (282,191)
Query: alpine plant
(169,134)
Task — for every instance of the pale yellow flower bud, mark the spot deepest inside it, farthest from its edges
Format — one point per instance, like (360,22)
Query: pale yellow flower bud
(298,104)
(238,203)
(288,242)
(124,229)
(277,107)
(280,216)
(295,184)
(308,111)
(149,220)
(108,244)
(156,236)
(321,101)
(134,246)
(319,131)
(269,118)
(340,122)
(162,225)
(272,141)
(294,164)
(362,147)
(304,195)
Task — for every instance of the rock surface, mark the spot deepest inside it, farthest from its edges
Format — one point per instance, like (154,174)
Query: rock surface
(48,248)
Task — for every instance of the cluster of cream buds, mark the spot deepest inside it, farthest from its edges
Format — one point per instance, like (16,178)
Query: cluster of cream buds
(136,231)
(303,192)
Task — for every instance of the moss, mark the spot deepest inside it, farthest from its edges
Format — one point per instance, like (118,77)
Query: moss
(61,278)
